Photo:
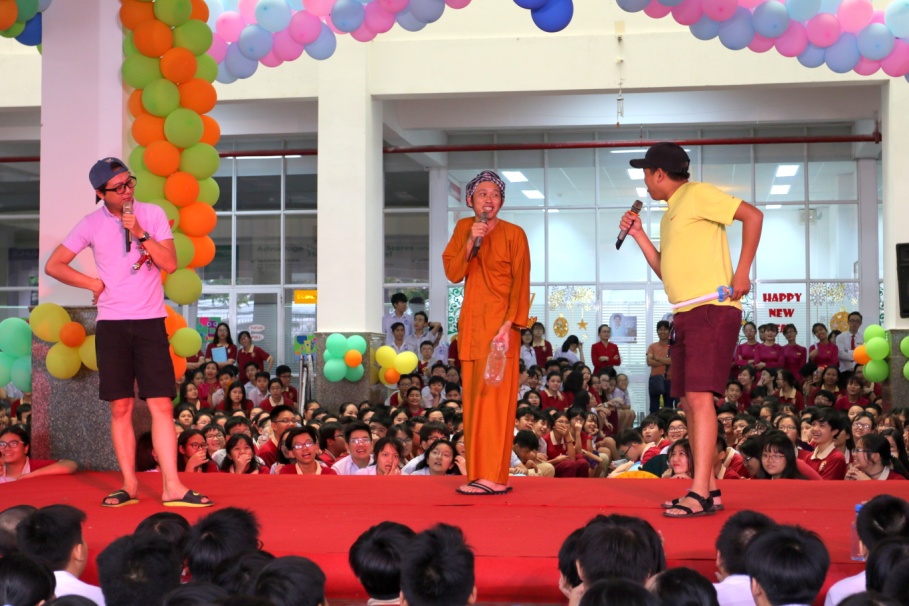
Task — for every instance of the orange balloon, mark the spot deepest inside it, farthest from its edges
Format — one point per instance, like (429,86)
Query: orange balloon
(162,158)
(134,104)
(198,95)
(147,129)
(153,38)
(392,375)
(179,363)
(134,12)
(860,355)
(353,358)
(72,334)
(178,65)
(164,275)
(211,133)
(200,10)
(173,322)
(181,189)
(205,251)
(197,219)
(8,12)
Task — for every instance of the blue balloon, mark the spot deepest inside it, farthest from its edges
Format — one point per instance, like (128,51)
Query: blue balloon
(224,76)
(427,11)
(875,41)
(530,4)
(238,64)
(408,21)
(812,56)
(771,19)
(670,2)
(324,46)
(802,10)
(297,5)
(737,32)
(842,55)
(554,16)
(632,6)
(255,42)
(31,35)
(347,15)
(896,16)
(43,5)
(705,28)
(273,15)
(215,8)
(830,6)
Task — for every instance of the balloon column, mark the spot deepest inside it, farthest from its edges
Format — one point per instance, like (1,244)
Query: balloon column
(343,357)
(21,19)
(72,347)
(16,353)
(846,35)
(549,15)
(873,354)
(393,364)
(184,341)
(248,33)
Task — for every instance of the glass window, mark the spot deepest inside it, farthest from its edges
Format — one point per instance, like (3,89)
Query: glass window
(300,183)
(728,166)
(831,302)
(300,249)
(779,170)
(571,175)
(219,270)
(19,185)
(210,309)
(619,183)
(259,183)
(407,247)
(258,313)
(19,256)
(781,254)
(627,264)
(833,234)
(15,303)
(406,182)
(299,319)
(572,311)
(626,313)
(832,172)
(531,221)
(572,245)
(417,299)
(522,171)
(258,249)
(225,180)
(781,304)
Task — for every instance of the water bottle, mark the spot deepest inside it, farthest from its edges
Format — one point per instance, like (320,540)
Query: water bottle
(495,363)
(855,544)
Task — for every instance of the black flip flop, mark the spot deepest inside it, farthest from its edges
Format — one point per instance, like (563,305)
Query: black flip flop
(190,499)
(485,491)
(122,497)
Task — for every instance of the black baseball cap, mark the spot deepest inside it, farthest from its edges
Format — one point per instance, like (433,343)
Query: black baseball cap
(103,171)
(668,156)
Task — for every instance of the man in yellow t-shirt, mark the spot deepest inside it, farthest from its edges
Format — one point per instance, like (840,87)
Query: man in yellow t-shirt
(694,260)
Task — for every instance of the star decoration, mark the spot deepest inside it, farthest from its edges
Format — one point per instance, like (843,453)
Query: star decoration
(582,324)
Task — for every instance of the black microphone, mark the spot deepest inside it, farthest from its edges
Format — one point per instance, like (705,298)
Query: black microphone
(478,241)
(636,209)
(128,210)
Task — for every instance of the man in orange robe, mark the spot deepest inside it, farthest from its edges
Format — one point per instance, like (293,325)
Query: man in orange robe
(496,301)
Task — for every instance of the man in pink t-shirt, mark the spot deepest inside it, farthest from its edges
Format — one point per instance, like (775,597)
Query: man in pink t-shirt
(131,243)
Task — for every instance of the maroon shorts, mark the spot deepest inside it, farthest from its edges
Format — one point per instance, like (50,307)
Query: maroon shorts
(705,339)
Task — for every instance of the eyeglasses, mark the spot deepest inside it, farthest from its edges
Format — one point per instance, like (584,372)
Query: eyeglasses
(306,445)
(360,440)
(121,189)
(194,445)
(786,428)
(285,421)
(623,454)
(747,459)
(861,450)
(676,429)
(13,444)
(861,426)
(214,439)
(725,421)
(773,456)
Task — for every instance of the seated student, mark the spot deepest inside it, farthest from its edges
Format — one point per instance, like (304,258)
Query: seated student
(226,376)
(787,565)
(413,402)
(826,425)
(682,586)
(54,534)
(25,580)
(217,536)
(441,459)
(428,433)
(853,396)
(552,395)
(882,560)
(681,464)
(425,358)
(214,442)
(734,586)
(524,457)
(239,457)
(257,389)
(434,397)
(617,591)
(399,341)
(17,465)
(138,570)
(653,431)
(733,394)
(9,520)
(524,418)
(398,398)
(276,397)
(631,447)
(387,454)
(379,425)
(725,415)
(192,455)
(291,581)
(728,463)
(562,447)
(787,389)
(438,569)
(452,392)
(331,443)
(359,446)
(569,580)
(284,374)
(778,458)
(874,461)
(302,443)
(282,419)
(375,559)
(236,399)
(634,538)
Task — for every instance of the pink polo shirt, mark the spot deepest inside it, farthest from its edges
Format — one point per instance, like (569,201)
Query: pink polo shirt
(128,294)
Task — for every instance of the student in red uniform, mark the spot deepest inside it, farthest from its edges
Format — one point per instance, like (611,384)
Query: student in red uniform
(826,425)
(744,352)
(768,354)
(872,460)
(824,352)
(283,373)
(746,378)
(250,353)
(223,339)
(240,457)
(853,395)
(603,353)
(282,419)
(787,390)
(653,430)
(303,445)
(192,452)
(16,464)
(541,347)
(794,355)
(830,381)
(562,445)
(552,396)
(236,399)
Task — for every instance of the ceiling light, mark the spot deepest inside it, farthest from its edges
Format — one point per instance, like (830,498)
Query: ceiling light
(636,174)
(787,170)
(514,176)
(779,190)
(642,191)
(533,194)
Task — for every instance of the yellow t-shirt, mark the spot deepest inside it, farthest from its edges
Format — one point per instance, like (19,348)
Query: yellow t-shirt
(694,250)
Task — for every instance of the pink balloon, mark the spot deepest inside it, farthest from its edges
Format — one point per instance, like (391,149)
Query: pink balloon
(378,19)
(285,47)
(218,48)
(248,10)
(749,4)
(720,10)
(456,4)
(823,30)
(655,10)
(320,8)
(794,40)
(760,44)
(877,17)
(393,6)
(896,64)
(229,25)
(270,60)
(866,67)
(854,15)
(363,34)
(688,12)
(304,27)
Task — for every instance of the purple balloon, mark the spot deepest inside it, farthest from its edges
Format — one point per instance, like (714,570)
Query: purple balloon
(530,4)
(554,16)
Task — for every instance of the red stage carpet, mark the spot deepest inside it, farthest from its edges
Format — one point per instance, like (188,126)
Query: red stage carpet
(515,537)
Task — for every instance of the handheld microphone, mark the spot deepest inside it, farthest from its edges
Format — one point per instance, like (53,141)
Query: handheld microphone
(476,245)
(636,209)
(128,210)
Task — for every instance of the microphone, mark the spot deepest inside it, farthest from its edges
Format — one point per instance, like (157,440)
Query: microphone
(479,241)
(128,210)
(636,209)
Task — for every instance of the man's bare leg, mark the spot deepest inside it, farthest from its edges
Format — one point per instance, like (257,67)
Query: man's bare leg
(124,440)
(702,428)
(164,439)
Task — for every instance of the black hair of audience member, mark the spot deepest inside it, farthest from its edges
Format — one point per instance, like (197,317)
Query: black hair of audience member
(384,441)
(683,587)
(877,443)
(277,410)
(596,554)
(237,573)
(25,580)
(721,443)
(615,591)
(138,570)
(282,369)
(182,440)
(453,470)
(51,533)
(327,433)
(629,436)
(759,391)
(574,383)
(448,414)
(568,556)
(288,440)
(788,564)
(168,525)
(645,531)
(355,426)
(194,593)
(807,369)
(897,436)
(665,414)
(375,559)
(871,598)
(431,427)
(896,586)
(727,407)
(217,536)
(875,406)
(438,568)
(752,447)
(653,420)
(831,416)
(24,411)
(452,387)
(71,600)
(9,520)
(883,559)
(237,421)
(777,442)
(145,458)
(526,439)
(735,535)
(291,581)
(243,600)
(227,464)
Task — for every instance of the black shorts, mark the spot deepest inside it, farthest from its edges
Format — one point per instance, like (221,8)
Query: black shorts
(705,340)
(130,352)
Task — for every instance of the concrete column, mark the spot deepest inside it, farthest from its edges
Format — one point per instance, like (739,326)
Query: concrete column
(350,234)
(895,125)
(438,239)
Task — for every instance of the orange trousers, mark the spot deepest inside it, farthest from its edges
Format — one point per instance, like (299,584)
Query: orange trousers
(489,415)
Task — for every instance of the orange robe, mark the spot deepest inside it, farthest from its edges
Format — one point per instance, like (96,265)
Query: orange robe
(496,289)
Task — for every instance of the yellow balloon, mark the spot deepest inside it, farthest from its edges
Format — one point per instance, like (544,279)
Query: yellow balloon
(406,362)
(87,353)
(46,321)
(385,356)
(382,380)
(63,362)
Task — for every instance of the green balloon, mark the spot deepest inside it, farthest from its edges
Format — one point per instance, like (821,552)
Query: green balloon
(904,346)
(183,287)
(16,337)
(201,160)
(139,71)
(357,343)
(194,35)
(170,209)
(326,355)
(6,367)
(876,371)
(137,160)
(207,67)
(129,47)
(183,127)
(337,345)
(14,30)
(877,348)
(160,97)
(334,370)
(173,12)
(874,331)
(21,373)
(354,373)
(185,250)
(186,342)
(27,10)
(148,186)
(209,191)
